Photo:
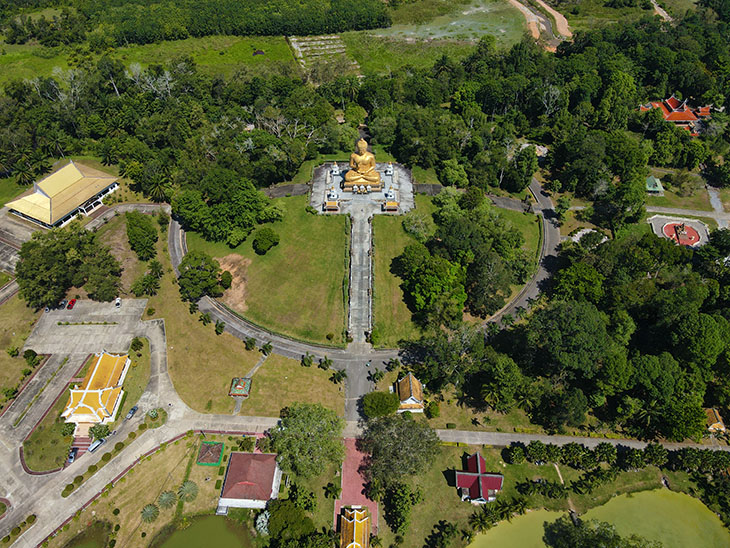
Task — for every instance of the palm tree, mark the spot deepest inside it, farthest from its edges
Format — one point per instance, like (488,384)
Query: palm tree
(267,348)
(150,513)
(490,395)
(205,318)
(307,360)
(519,506)
(338,376)
(23,173)
(481,521)
(188,491)
(158,188)
(167,499)
(325,363)
(155,268)
(467,535)
(332,491)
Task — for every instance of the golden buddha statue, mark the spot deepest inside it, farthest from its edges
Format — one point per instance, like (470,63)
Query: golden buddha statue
(362,169)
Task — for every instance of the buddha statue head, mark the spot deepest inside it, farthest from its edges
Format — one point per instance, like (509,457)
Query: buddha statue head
(362,146)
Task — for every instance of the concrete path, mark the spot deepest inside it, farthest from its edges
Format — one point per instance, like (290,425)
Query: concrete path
(359,311)
(353,483)
(8,290)
(717,206)
(661,12)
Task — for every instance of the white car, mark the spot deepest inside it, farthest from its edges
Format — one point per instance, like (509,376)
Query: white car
(118,303)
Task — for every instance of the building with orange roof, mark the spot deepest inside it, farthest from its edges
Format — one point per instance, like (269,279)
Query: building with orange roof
(355,527)
(98,398)
(714,420)
(60,196)
(410,394)
(680,113)
(252,480)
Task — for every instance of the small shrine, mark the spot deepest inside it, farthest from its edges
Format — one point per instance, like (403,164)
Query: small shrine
(240,387)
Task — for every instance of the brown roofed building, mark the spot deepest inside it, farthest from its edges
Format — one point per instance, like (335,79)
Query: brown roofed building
(60,196)
(410,394)
(354,527)
(252,479)
(680,113)
(714,420)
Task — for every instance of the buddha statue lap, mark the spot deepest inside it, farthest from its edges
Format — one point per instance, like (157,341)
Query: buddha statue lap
(362,170)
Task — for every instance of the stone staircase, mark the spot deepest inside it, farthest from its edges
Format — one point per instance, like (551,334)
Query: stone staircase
(311,49)
(82,444)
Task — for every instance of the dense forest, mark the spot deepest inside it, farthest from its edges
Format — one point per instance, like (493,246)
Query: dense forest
(120,22)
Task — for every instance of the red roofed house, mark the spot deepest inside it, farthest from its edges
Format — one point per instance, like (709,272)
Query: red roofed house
(475,484)
(252,479)
(680,114)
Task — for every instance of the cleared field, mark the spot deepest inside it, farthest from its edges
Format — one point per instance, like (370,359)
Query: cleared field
(377,54)
(297,287)
(700,200)
(47,448)
(460,21)
(281,381)
(214,54)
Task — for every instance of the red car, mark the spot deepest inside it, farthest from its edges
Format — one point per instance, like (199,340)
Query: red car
(71,304)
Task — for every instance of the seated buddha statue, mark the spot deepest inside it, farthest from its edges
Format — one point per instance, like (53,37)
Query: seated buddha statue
(362,170)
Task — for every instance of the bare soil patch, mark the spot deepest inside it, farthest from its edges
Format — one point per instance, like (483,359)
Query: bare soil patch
(235,296)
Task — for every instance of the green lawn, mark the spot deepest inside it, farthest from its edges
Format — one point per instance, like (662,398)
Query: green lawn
(425,176)
(8,189)
(675,519)
(215,55)
(324,512)
(46,448)
(391,316)
(4,278)
(281,382)
(16,323)
(529,225)
(137,378)
(377,54)
(297,288)
(700,200)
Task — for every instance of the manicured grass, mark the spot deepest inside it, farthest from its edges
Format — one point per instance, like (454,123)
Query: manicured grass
(16,323)
(523,531)
(700,200)
(725,197)
(9,190)
(528,225)
(281,382)
(163,471)
(46,448)
(377,54)
(201,363)
(297,287)
(675,519)
(4,278)
(137,378)
(390,314)
(214,54)
(468,418)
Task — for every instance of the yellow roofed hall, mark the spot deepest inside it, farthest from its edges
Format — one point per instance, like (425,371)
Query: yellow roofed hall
(75,188)
(354,528)
(96,399)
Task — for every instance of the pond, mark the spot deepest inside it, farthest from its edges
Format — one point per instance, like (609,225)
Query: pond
(675,519)
(210,531)
(94,536)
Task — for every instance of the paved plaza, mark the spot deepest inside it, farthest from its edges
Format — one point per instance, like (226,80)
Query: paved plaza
(697,233)
(52,336)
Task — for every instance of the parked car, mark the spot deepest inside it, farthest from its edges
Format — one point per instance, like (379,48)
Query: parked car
(72,454)
(48,309)
(94,446)
(71,304)
(131,413)
(118,303)
(62,304)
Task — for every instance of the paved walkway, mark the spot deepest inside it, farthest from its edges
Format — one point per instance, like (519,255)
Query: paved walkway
(353,483)
(359,311)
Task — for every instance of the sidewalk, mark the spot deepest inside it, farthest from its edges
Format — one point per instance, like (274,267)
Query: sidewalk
(353,484)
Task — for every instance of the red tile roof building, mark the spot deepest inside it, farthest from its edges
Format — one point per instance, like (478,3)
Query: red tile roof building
(475,484)
(680,114)
(252,479)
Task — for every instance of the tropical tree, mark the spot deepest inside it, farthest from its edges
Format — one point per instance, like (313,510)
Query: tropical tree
(307,360)
(167,499)
(338,376)
(150,512)
(188,491)
(325,363)
(332,491)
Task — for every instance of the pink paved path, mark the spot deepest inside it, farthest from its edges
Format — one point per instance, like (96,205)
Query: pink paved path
(353,484)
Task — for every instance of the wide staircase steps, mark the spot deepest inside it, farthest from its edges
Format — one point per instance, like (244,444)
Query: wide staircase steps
(82,444)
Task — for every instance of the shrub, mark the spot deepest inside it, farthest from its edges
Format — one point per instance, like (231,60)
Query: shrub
(150,311)
(226,279)
(250,343)
(433,410)
(31,519)
(264,239)
(78,480)
(119,446)
(106,457)
(142,234)
(92,469)
(68,429)
(132,435)
(115,511)
(218,484)
(15,531)
(221,470)
(69,487)
(142,426)
(6,539)
(450,426)
(378,404)
(13,351)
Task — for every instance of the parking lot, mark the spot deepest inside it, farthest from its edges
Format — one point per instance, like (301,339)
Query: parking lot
(85,331)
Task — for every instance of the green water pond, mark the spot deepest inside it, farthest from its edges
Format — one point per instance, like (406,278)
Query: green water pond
(210,531)
(675,519)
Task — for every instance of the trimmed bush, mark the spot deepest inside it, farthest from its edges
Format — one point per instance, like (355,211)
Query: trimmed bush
(218,484)
(78,480)
(31,519)
(92,469)
(142,427)
(15,531)
(264,239)
(132,435)
(432,410)
(106,457)
(115,511)
(119,446)
(379,404)
(450,426)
